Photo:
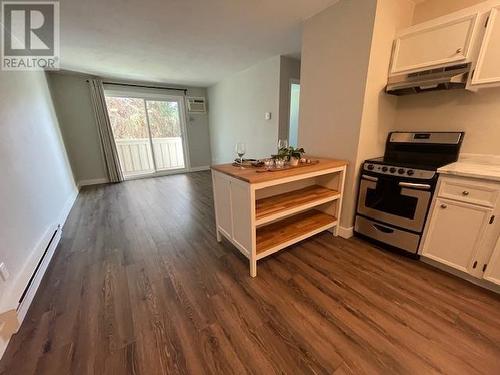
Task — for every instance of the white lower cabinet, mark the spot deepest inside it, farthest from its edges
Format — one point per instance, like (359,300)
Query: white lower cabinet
(461,233)
(222,190)
(492,272)
(455,233)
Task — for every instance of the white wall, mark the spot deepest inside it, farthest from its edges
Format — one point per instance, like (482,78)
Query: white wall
(380,110)
(71,96)
(37,185)
(236,112)
(335,56)
(430,9)
(344,111)
(477,114)
(198,131)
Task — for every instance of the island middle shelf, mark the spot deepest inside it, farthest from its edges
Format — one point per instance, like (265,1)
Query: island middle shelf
(278,206)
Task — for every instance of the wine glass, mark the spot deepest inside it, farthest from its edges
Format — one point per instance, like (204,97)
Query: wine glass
(240,149)
(282,143)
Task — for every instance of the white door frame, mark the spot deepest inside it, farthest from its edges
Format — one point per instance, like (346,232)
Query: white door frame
(291,81)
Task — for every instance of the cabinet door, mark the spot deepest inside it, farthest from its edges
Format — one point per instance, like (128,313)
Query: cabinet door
(432,46)
(493,269)
(487,70)
(223,209)
(455,232)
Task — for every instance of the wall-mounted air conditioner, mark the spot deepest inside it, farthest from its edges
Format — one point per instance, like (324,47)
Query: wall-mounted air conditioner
(196,105)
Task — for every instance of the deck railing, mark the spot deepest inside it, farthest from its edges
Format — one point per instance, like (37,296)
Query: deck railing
(136,157)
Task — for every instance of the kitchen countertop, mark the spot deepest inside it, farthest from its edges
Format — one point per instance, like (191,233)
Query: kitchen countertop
(476,166)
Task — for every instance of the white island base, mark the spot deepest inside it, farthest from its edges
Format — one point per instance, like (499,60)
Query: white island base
(261,213)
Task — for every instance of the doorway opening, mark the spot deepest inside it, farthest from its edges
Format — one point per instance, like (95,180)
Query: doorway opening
(149,132)
(293,121)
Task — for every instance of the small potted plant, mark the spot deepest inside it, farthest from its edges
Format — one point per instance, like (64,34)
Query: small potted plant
(292,154)
(295,155)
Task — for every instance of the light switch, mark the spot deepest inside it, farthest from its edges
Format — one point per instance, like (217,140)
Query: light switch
(267,115)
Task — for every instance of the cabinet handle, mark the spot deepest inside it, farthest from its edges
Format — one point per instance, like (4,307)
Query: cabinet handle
(444,206)
(459,50)
(465,193)
(474,265)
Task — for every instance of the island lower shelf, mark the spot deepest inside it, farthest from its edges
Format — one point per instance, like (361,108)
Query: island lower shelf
(276,236)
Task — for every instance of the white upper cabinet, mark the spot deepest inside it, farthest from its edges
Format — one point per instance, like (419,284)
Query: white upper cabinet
(493,268)
(434,44)
(487,71)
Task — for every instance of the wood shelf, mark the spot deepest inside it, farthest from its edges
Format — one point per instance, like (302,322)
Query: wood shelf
(278,235)
(278,206)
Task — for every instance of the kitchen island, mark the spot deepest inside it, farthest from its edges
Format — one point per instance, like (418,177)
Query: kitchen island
(261,212)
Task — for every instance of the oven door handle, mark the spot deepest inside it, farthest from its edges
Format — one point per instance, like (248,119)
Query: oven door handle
(370,178)
(415,186)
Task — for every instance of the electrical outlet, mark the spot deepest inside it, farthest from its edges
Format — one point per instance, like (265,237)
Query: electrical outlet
(267,116)
(4,272)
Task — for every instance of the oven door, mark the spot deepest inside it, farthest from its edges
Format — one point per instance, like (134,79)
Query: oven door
(395,202)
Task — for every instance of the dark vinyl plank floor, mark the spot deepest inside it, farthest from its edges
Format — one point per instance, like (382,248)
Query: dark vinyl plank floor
(139,285)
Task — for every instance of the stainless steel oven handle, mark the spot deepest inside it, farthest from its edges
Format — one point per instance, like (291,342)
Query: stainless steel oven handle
(370,178)
(415,186)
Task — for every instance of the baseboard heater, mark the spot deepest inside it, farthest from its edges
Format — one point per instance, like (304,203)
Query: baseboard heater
(39,264)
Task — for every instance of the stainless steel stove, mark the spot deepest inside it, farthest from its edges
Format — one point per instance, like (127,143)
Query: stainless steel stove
(395,191)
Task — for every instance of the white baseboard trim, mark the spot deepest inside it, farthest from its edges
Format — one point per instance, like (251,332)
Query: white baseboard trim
(67,208)
(95,181)
(12,316)
(22,310)
(346,232)
(199,169)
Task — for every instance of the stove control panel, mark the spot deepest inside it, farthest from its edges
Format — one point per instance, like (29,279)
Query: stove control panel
(421,174)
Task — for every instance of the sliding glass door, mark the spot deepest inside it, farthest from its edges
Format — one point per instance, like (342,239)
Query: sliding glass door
(166,134)
(149,134)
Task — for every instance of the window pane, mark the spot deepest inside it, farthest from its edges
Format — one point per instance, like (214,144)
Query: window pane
(164,119)
(128,117)
(128,121)
(165,124)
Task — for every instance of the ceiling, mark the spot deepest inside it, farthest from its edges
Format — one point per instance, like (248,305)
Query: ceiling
(191,42)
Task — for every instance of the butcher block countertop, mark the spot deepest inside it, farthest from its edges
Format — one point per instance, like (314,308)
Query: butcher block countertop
(258,175)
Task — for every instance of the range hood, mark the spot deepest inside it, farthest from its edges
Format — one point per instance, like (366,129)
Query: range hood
(447,78)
